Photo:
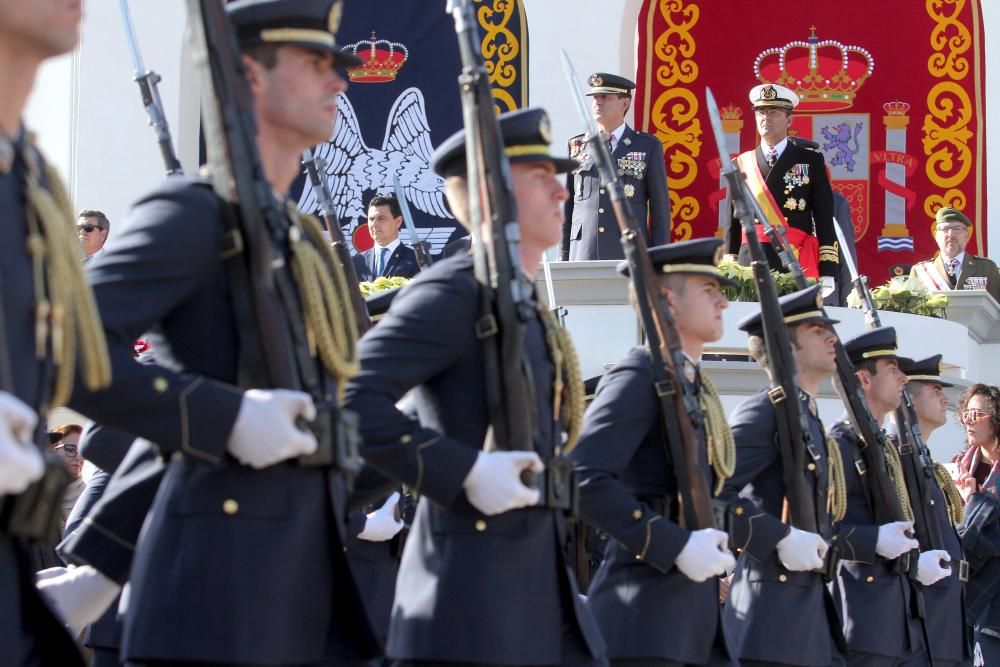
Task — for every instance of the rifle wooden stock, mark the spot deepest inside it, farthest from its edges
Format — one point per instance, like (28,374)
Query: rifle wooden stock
(338,241)
(505,308)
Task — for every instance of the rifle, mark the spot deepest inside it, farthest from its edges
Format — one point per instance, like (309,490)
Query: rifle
(314,167)
(274,348)
(505,307)
(678,405)
(148,81)
(794,439)
(420,248)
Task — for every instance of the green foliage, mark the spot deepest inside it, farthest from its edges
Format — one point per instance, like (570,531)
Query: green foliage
(381,284)
(904,294)
(745,290)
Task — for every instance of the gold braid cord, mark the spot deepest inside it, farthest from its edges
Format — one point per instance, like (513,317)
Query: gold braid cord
(66,317)
(896,473)
(952,498)
(567,387)
(326,307)
(837,491)
(721,446)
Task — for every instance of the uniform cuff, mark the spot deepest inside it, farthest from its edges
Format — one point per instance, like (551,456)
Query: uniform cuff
(755,532)
(95,545)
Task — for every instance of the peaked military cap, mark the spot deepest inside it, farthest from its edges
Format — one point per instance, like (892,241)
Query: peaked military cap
(311,24)
(949,214)
(872,344)
(923,370)
(698,256)
(772,95)
(603,83)
(526,135)
(800,307)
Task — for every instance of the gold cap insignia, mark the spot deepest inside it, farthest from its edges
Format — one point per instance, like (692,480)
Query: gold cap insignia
(596,80)
(819,298)
(545,128)
(768,93)
(897,270)
(333,20)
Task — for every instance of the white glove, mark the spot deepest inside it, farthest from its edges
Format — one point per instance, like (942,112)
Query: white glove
(893,541)
(78,594)
(705,555)
(801,551)
(20,460)
(494,484)
(929,568)
(382,525)
(265,432)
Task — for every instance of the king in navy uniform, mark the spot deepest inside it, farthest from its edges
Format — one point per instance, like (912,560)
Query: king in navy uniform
(590,230)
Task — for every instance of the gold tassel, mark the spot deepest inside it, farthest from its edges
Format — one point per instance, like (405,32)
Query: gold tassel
(896,473)
(952,497)
(719,437)
(568,399)
(837,482)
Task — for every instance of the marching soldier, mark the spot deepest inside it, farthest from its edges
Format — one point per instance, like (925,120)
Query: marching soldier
(48,326)
(241,560)
(874,600)
(590,230)
(944,600)
(655,573)
(484,577)
(779,610)
(791,185)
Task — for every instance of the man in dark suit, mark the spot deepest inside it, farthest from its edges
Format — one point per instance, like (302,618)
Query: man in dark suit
(953,267)
(484,577)
(779,610)
(874,601)
(241,559)
(590,230)
(389,257)
(791,185)
(655,573)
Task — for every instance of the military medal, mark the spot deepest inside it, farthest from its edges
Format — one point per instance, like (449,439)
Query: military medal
(802,204)
(627,141)
(791,204)
(629,190)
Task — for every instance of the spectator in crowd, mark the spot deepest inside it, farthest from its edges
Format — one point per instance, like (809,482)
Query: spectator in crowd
(952,267)
(92,229)
(389,257)
(979,483)
(65,441)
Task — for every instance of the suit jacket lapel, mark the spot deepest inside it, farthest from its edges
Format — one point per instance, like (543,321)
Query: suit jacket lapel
(621,148)
(390,261)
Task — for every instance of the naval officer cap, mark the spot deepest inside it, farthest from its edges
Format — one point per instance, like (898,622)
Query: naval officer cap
(696,257)
(949,214)
(602,83)
(311,24)
(800,307)
(771,95)
(923,370)
(874,344)
(526,136)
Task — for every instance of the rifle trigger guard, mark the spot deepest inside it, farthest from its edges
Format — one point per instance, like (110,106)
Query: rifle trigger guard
(665,388)
(776,394)
(486,326)
(861,467)
(232,244)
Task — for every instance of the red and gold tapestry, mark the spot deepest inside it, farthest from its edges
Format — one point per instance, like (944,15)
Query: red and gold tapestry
(893,92)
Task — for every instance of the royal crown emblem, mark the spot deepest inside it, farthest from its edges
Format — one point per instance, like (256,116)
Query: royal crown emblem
(381,60)
(825,74)
(596,81)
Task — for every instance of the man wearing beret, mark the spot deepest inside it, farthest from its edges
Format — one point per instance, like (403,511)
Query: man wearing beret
(657,573)
(952,267)
(590,229)
(791,185)
(484,577)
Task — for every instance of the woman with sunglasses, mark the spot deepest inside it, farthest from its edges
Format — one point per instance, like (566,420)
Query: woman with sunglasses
(979,483)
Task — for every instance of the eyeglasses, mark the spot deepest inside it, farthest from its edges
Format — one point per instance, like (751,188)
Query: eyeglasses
(88,228)
(954,229)
(69,451)
(973,416)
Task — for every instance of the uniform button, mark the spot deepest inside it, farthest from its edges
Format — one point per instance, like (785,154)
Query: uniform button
(638,557)
(160,385)
(177,456)
(230,506)
(406,439)
(637,514)
(600,229)
(602,191)
(782,578)
(480,525)
(870,579)
(739,511)
(600,210)
(811,467)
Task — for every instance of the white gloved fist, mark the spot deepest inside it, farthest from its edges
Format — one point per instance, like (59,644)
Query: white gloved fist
(929,568)
(893,540)
(382,524)
(78,594)
(801,551)
(265,432)
(705,555)
(494,484)
(20,460)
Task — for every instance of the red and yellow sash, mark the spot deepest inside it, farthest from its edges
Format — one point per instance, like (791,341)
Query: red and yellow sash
(804,245)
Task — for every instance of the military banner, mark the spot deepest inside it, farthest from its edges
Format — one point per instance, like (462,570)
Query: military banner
(404,101)
(892,91)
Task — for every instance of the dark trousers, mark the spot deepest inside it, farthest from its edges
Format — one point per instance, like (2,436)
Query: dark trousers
(717,658)
(916,659)
(105,657)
